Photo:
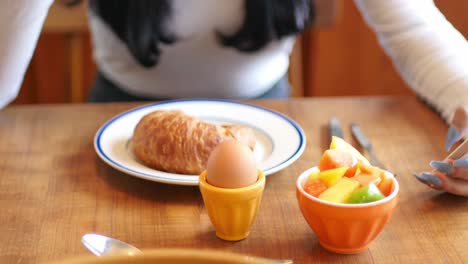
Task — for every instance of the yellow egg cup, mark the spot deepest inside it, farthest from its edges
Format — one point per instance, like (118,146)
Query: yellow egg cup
(232,211)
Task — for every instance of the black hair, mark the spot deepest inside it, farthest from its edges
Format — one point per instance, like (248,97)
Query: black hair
(266,20)
(140,24)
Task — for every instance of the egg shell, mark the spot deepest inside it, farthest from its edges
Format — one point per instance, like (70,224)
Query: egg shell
(231,165)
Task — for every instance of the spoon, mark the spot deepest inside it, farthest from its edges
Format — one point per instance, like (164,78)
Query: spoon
(101,245)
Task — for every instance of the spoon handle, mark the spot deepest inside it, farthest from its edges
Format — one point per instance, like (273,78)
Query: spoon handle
(101,245)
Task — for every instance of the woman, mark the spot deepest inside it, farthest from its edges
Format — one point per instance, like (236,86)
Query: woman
(177,48)
(239,49)
(432,57)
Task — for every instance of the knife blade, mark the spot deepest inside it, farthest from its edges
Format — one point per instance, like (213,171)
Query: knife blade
(335,128)
(365,143)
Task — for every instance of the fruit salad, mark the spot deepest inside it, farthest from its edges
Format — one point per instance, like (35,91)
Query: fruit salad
(345,176)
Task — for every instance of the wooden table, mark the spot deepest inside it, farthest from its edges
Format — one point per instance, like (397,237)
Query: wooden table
(54,188)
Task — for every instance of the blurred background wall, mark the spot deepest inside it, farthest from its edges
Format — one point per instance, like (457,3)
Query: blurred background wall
(340,56)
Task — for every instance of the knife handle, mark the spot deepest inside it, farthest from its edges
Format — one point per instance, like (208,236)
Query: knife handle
(335,128)
(360,137)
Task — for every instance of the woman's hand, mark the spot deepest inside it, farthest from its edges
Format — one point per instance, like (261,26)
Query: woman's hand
(451,175)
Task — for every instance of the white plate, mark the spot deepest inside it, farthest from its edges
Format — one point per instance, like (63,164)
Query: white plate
(280,140)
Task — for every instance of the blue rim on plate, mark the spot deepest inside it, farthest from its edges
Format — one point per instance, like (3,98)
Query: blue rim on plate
(164,177)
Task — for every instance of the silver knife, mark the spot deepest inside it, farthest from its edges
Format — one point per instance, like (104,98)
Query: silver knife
(362,139)
(335,128)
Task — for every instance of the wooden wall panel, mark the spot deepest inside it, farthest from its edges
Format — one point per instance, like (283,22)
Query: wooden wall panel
(45,79)
(50,69)
(27,93)
(346,59)
(89,67)
(49,77)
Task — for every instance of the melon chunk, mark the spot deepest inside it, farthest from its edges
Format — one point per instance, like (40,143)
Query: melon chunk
(314,175)
(341,191)
(330,177)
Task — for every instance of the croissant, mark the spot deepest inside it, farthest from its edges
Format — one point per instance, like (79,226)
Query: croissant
(175,142)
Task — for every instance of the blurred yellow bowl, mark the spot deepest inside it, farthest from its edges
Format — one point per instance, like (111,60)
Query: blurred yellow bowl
(171,256)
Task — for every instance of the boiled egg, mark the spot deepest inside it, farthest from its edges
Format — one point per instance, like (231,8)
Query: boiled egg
(231,164)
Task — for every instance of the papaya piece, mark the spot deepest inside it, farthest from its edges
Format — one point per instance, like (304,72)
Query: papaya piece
(315,187)
(337,158)
(386,183)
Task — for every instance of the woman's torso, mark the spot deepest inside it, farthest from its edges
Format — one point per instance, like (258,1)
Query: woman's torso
(196,65)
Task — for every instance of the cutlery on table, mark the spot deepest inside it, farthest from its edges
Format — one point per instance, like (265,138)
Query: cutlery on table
(335,128)
(362,139)
(101,245)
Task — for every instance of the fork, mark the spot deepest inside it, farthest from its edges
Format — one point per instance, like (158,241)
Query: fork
(366,144)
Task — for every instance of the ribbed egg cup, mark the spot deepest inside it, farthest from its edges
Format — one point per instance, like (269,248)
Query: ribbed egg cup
(232,211)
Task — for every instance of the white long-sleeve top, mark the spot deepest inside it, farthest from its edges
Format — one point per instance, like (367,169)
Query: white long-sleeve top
(20,24)
(430,54)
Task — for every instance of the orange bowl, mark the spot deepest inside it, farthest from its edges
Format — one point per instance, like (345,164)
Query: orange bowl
(345,228)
